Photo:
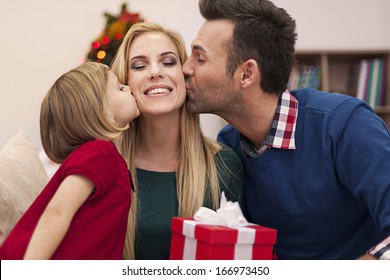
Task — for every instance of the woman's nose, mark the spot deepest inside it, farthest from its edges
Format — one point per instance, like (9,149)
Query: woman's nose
(156,71)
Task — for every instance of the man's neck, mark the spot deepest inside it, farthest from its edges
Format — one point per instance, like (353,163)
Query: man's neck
(255,120)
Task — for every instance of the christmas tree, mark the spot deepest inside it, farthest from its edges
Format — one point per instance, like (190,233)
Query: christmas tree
(104,47)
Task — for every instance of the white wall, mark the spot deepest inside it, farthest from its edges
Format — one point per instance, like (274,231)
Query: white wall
(41,39)
(340,24)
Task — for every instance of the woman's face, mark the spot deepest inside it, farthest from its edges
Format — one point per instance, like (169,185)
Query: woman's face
(155,75)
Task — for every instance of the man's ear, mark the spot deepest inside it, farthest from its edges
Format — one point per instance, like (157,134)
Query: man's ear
(249,73)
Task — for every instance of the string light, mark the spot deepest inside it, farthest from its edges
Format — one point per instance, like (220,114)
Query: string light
(101,55)
(106,40)
(95,45)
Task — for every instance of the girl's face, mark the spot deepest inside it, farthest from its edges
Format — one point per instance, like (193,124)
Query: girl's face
(155,75)
(121,104)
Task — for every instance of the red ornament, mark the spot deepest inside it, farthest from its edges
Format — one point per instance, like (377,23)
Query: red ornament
(105,40)
(95,45)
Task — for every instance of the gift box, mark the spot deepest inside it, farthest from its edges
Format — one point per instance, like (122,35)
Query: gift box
(194,240)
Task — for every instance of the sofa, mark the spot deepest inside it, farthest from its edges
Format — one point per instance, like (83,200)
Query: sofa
(24,172)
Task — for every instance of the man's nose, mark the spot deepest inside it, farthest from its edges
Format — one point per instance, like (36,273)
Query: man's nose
(187,70)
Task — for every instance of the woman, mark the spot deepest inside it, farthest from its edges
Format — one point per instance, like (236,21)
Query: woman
(175,168)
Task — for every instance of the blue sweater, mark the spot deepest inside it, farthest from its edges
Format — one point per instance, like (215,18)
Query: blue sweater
(330,197)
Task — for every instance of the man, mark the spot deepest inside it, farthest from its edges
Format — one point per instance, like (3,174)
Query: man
(317,165)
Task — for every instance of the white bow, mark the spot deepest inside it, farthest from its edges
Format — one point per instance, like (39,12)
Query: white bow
(229,214)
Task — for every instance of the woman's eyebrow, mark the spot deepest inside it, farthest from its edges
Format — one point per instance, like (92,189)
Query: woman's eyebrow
(137,57)
(168,52)
(162,54)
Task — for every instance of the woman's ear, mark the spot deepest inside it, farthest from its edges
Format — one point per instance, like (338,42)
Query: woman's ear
(249,73)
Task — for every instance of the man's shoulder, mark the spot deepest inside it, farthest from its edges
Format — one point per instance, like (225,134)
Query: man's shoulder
(227,130)
(319,101)
(227,134)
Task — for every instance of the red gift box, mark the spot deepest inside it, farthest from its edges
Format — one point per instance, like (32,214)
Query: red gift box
(196,240)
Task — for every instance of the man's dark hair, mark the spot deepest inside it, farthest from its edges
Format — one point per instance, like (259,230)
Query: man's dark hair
(262,32)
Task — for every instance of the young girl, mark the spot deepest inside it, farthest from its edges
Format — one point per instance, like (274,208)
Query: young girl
(82,212)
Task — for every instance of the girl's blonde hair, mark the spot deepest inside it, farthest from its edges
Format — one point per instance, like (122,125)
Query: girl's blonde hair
(197,176)
(74,111)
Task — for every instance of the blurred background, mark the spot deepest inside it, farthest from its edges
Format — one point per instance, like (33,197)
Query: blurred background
(42,39)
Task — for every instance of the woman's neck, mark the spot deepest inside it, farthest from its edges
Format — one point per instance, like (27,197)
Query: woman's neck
(158,147)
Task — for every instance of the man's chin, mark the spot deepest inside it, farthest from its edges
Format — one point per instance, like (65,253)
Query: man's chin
(191,107)
(194,107)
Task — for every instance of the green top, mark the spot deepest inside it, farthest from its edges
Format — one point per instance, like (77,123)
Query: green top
(157,204)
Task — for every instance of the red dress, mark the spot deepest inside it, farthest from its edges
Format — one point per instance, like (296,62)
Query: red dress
(98,228)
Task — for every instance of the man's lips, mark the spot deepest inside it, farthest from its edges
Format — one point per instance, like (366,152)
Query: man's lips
(189,87)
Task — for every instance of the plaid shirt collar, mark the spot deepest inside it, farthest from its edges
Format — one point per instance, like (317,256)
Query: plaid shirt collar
(282,133)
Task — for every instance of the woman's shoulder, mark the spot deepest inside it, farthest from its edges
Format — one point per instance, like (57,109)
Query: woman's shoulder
(226,152)
(228,158)
(231,172)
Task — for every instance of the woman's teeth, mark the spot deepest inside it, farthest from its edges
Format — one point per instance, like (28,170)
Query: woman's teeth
(157,91)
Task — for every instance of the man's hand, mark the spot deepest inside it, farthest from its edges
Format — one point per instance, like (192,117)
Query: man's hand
(368,257)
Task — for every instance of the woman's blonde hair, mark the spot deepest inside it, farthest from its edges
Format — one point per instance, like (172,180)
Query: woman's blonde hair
(74,111)
(197,176)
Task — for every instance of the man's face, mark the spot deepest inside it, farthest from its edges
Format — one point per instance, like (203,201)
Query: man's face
(209,87)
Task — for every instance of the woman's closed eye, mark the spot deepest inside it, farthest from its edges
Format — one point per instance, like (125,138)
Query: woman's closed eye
(138,66)
(169,62)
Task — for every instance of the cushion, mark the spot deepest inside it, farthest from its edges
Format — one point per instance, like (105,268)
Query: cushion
(22,177)
(49,165)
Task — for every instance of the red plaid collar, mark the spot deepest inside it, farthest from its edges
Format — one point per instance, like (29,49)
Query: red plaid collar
(282,133)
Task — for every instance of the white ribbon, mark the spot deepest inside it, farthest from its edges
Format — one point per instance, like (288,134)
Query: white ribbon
(229,214)
(190,242)
(243,250)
